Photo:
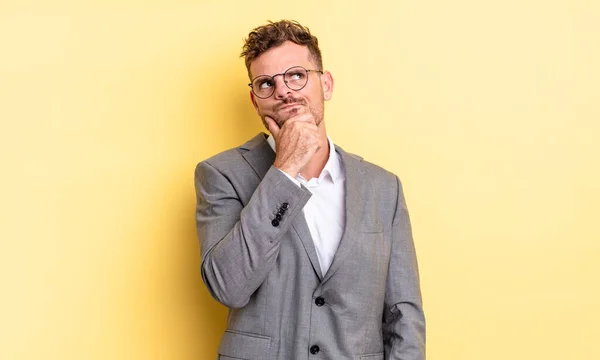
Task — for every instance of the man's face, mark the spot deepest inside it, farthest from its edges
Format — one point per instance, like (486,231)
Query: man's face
(285,102)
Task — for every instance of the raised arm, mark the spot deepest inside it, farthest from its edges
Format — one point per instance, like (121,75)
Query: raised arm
(239,245)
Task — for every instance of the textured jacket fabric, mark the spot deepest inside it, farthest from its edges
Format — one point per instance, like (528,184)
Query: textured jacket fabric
(367,306)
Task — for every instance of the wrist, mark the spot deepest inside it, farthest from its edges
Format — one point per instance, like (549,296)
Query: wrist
(290,170)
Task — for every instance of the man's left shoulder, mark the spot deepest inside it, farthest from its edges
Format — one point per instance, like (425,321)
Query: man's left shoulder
(371,171)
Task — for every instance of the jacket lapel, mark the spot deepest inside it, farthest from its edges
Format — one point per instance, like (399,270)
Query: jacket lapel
(301,227)
(355,192)
(260,156)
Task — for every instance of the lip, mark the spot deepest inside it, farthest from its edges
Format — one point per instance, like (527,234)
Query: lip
(288,106)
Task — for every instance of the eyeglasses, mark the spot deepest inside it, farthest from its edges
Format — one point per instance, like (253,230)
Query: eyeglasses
(294,78)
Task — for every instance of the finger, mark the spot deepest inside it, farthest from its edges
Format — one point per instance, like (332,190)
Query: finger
(272,125)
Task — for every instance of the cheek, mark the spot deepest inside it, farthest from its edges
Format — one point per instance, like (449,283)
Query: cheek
(315,94)
(259,106)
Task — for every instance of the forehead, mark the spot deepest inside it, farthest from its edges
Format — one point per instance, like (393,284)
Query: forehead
(281,58)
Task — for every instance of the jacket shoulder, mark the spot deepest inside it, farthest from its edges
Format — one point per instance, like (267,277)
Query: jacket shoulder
(369,169)
(231,157)
(224,159)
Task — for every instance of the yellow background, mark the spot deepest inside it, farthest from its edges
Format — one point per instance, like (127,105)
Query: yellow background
(487,110)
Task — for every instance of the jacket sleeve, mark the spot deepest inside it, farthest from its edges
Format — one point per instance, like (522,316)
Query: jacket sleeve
(403,320)
(239,244)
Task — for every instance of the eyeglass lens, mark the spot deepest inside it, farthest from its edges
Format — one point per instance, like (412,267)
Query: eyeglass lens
(295,78)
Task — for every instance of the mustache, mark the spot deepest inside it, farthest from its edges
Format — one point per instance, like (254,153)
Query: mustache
(288,101)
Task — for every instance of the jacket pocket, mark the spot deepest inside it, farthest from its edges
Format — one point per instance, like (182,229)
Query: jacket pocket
(242,345)
(378,356)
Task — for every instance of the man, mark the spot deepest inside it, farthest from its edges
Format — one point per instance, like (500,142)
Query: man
(309,246)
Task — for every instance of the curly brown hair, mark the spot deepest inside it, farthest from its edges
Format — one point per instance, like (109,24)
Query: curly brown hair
(275,34)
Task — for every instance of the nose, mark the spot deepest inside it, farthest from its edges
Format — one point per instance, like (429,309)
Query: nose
(281,89)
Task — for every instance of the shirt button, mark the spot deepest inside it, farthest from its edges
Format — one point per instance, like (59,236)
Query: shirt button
(320,301)
(275,222)
(314,349)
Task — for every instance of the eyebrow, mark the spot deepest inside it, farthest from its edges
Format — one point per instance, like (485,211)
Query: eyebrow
(281,73)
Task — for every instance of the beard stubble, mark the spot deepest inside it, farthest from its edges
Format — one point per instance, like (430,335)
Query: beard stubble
(317,113)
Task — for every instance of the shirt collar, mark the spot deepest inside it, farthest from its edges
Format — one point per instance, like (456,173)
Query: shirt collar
(332,167)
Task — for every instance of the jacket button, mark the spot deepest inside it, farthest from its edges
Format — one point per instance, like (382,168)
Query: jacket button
(285,206)
(278,217)
(275,222)
(320,301)
(314,349)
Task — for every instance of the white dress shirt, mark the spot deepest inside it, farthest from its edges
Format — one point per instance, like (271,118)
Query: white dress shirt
(325,210)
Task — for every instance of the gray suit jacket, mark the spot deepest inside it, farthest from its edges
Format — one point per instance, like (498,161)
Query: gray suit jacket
(368,304)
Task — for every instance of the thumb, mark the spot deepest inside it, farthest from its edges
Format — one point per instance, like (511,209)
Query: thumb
(272,125)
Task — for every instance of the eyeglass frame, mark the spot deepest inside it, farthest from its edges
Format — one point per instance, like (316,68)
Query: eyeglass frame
(285,82)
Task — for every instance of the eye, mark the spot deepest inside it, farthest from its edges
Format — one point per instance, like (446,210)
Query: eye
(296,75)
(265,84)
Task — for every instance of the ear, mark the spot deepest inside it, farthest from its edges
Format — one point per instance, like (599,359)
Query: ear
(327,84)
(253,99)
